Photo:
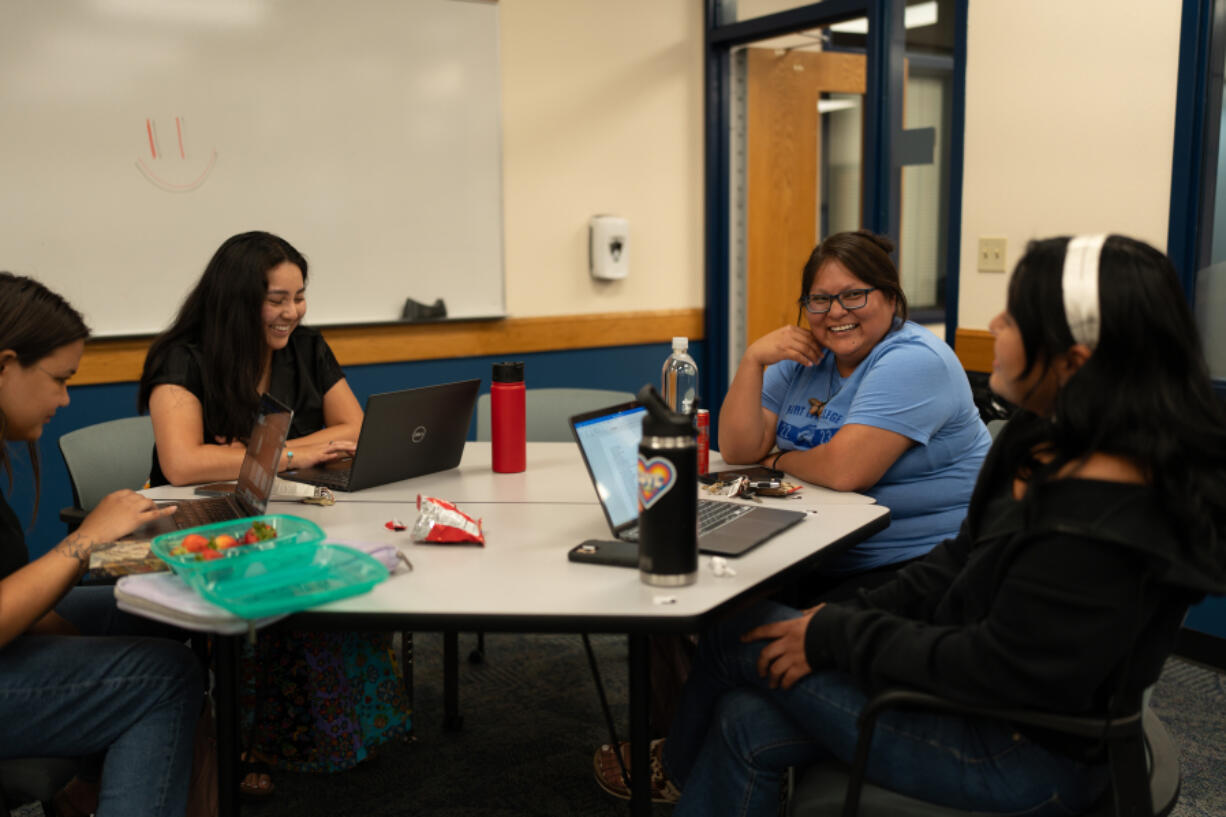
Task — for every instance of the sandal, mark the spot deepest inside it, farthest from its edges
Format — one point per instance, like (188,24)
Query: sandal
(79,798)
(255,780)
(609,772)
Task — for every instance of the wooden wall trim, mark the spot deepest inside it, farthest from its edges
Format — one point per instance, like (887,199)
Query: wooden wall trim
(974,348)
(120,360)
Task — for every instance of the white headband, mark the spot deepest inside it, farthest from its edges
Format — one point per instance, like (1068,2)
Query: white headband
(1081,287)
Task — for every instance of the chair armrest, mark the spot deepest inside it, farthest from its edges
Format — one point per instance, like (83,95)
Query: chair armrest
(1098,727)
(1126,730)
(72,517)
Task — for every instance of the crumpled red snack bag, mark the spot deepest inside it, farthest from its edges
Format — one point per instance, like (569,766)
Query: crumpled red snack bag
(439,521)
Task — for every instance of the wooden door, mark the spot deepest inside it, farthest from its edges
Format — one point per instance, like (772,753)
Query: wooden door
(783,149)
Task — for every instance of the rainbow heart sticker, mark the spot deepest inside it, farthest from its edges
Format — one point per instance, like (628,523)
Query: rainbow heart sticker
(656,476)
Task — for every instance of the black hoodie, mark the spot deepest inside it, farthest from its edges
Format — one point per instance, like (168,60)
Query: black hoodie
(1066,602)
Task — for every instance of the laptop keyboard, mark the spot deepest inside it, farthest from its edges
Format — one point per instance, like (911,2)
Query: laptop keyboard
(711,515)
(205,511)
(337,480)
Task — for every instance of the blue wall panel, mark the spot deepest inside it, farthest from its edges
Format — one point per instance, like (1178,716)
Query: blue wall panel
(624,368)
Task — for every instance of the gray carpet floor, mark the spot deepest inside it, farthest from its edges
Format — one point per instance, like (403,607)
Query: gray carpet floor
(532,720)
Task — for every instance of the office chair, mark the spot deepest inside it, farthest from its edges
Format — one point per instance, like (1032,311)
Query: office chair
(1143,759)
(103,458)
(546,413)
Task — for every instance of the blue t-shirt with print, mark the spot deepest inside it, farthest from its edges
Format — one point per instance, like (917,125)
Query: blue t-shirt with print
(910,383)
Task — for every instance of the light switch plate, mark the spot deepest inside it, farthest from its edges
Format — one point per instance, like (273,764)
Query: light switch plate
(991,254)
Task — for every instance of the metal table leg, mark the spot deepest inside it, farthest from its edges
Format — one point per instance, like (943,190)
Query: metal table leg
(640,726)
(225,671)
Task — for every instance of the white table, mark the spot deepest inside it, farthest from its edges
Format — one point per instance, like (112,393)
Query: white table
(554,473)
(521,580)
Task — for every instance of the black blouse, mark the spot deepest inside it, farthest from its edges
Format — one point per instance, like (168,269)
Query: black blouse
(301,375)
(13,553)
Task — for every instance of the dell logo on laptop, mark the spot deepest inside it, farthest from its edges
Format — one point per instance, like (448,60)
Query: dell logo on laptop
(419,434)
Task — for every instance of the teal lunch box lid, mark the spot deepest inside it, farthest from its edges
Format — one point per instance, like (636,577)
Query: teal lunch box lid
(287,579)
(291,531)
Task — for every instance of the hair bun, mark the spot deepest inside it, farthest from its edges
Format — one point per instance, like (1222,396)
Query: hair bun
(882,241)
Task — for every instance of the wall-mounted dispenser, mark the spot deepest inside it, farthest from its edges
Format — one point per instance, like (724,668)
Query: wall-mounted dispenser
(609,247)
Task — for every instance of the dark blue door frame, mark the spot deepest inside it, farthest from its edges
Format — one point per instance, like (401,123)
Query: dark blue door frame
(881,205)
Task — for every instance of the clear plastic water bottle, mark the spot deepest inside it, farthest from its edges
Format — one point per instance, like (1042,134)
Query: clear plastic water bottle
(679,378)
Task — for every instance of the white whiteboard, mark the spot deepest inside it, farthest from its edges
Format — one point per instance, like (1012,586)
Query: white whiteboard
(137,135)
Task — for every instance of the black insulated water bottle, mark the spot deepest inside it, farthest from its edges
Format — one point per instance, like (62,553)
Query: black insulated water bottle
(668,494)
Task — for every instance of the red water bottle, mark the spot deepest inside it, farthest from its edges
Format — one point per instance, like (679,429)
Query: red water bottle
(507,418)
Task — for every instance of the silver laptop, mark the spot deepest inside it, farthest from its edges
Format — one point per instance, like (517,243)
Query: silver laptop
(255,477)
(404,434)
(609,441)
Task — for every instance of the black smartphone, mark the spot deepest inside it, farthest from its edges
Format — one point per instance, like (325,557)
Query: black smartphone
(605,552)
(756,473)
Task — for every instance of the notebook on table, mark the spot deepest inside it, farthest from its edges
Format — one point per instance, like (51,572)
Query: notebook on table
(255,477)
(404,434)
(609,441)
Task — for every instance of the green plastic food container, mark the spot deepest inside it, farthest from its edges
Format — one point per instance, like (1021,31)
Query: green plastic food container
(291,530)
(285,580)
(292,571)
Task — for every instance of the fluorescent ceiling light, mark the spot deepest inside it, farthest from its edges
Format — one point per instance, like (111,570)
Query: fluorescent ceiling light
(831,105)
(921,14)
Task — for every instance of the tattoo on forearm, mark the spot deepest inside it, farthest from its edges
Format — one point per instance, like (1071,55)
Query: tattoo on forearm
(79,548)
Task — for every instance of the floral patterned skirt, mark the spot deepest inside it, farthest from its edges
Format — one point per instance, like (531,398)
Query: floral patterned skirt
(320,701)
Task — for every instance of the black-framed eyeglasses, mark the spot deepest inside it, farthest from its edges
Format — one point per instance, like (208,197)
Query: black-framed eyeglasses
(848,298)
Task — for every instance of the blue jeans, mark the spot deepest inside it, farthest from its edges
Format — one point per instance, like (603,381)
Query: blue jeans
(136,699)
(734,738)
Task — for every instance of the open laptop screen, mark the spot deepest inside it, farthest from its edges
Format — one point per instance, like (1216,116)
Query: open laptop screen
(611,446)
(259,469)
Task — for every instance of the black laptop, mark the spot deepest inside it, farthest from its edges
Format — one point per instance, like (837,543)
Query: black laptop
(404,434)
(609,441)
(255,477)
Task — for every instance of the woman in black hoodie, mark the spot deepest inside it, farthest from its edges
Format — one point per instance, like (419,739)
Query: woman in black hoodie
(1097,519)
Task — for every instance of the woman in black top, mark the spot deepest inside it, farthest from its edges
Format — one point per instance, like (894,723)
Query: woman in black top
(63,693)
(312,701)
(236,336)
(1097,519)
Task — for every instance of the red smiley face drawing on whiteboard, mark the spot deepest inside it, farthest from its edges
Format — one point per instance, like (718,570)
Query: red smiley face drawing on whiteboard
(174,170)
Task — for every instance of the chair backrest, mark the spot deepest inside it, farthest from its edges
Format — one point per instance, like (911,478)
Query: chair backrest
(547,410)
(106,457)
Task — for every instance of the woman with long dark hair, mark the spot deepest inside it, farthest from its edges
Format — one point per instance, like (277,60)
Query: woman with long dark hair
(1099,516)
(312,701)
(70,684)
(238,335)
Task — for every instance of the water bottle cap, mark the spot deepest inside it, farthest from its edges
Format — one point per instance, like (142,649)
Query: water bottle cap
(660,420)
(509,372)
(681,344)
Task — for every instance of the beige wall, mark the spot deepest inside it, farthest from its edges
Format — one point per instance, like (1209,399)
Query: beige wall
(1070,112)
(1069,128)
(602,113)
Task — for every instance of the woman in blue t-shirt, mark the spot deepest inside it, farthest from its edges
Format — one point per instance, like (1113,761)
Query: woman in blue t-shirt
(860,399)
